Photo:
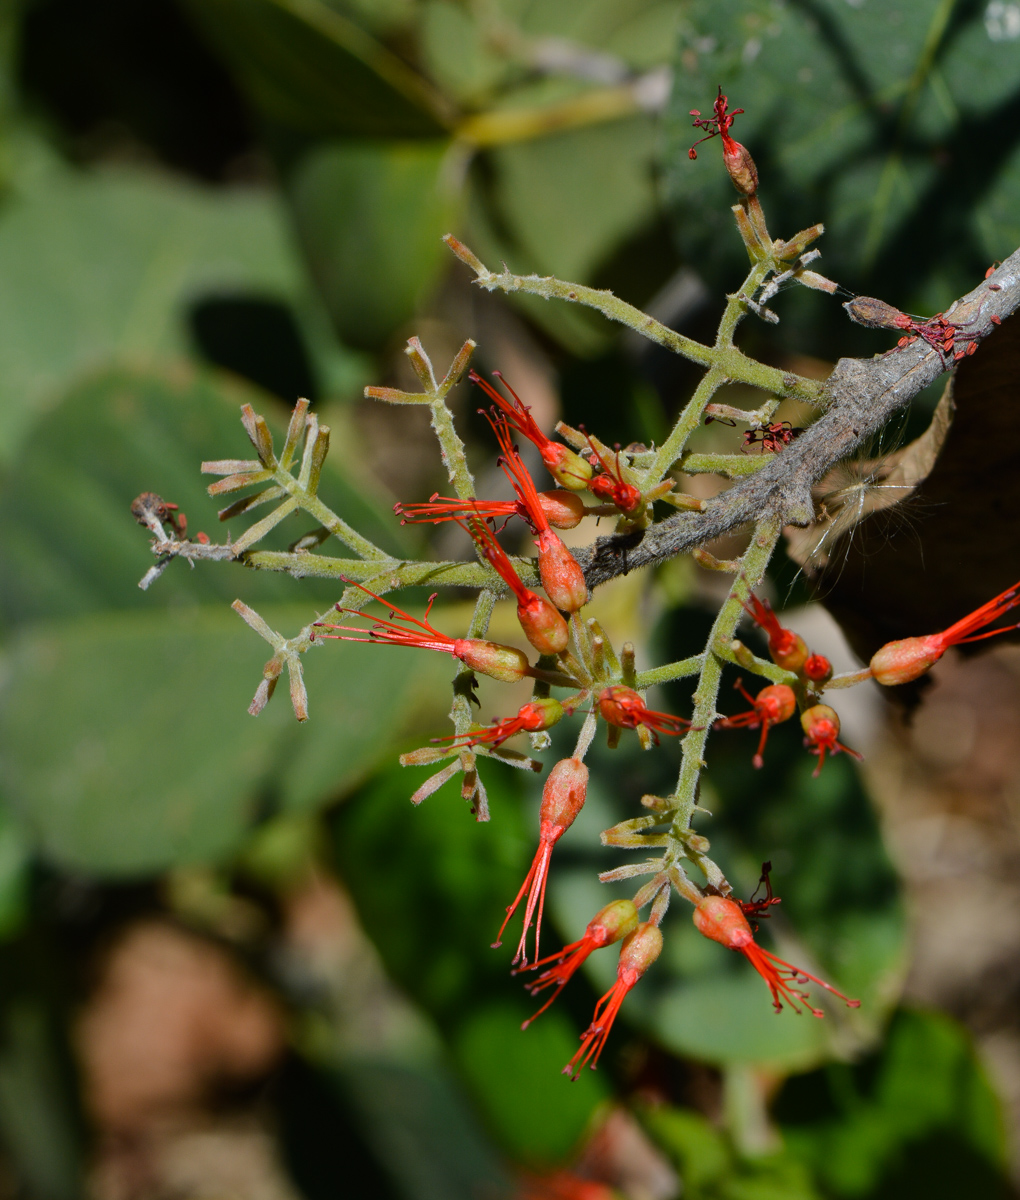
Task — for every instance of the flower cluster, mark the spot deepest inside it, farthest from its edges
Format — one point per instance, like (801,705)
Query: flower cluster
(576,655)
(568,650)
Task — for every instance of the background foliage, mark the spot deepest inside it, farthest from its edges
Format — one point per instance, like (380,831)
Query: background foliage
(214,202)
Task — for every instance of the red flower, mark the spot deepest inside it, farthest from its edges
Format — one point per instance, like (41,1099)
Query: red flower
(612,486)
(788,649)
(902,661)
(773,705)
(504,663)
(609,925)
(564,1185)
(543,626)
(623,706)
(560,572)
(821,727)
(639,950)
(722,920)
(817,668)
(567,468)
(562,509)
(531,718)
(738,161)
(562,799)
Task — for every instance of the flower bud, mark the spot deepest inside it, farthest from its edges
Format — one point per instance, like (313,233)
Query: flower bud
(776,703)
(820,723)
(817,668)
(568,468)
(543,626)
(564,793)
(618,919)
(790,651)
(640,949)
(560,573)
(907,659)
(505,663)
(563,509)
(540,714)
(740,165)
(722,920)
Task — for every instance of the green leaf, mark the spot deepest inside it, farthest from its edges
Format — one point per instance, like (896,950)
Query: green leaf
(893,123)
(128,747)
(535,1111)
(710,1167)
(917,1117)
(371,217)
(38,1120)
(66,530)
(432,885)
(104,265)
(572,198)
(15,873)
(311,69)
(422,1129)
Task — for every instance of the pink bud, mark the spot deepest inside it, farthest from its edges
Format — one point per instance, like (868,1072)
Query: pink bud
(639,950)
(563,794)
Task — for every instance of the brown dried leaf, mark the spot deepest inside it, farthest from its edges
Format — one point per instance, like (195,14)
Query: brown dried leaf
(945,536)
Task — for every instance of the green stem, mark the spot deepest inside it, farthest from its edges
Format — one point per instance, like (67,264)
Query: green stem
(452,449)
(674,670)
(753,564)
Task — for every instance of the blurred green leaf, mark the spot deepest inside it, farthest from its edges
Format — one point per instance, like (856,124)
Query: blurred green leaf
(15,870)
(103,265)
(432,885)
(917,1117)
(710,1167)
(128,747)
(371,216)
(422,1130)
(894,123)
(537,1113)
(38,1120)
(66,530)
(311,69)
(570,199)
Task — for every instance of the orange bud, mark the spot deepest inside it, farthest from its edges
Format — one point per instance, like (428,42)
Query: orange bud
(560,573)
(543,626)
(563,509)
(907,659)
(722,920)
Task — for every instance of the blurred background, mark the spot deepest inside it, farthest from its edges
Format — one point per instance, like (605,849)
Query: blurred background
(234,962)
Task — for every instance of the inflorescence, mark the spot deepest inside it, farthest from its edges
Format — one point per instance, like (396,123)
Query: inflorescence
(572,652)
